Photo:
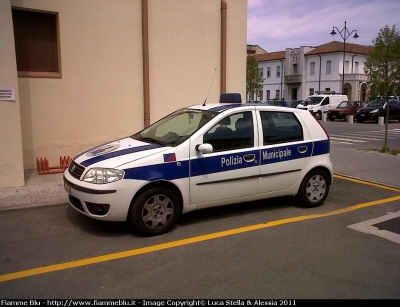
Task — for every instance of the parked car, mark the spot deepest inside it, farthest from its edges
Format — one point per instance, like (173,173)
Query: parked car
(293,103)
(377,108)
(345,109)
(202,156)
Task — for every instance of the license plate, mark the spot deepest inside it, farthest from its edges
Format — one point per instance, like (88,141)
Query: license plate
(67,188)
(362,115)
(333,116)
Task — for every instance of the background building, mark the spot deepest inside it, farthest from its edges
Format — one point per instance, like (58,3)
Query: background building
(87,72)
(255,49)
(296,73)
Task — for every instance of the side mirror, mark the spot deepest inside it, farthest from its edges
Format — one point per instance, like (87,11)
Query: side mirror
(204,148)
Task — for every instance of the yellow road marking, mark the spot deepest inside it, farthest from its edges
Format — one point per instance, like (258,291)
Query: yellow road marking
(159,247)
(377,185)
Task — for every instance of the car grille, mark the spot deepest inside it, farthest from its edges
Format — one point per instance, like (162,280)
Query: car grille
(76,170)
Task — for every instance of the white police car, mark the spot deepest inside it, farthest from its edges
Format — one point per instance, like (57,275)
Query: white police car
(202,156)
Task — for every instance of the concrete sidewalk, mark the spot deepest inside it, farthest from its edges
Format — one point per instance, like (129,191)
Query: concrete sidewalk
(44,190)
(368,165)
(39,190)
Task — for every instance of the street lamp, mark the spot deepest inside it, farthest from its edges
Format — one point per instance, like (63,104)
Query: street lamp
(345,34)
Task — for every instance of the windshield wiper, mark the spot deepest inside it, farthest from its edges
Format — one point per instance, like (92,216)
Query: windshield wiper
(151,140)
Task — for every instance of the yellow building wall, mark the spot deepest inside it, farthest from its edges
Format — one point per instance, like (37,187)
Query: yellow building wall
(11,170)
(100,94)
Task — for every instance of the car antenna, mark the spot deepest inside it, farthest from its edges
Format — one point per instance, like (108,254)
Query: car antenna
(204,104)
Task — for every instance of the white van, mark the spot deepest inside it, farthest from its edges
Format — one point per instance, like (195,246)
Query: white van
(321,103)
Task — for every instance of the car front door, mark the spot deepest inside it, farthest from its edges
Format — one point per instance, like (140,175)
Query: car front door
(394,110)
(325,106)
(231,170)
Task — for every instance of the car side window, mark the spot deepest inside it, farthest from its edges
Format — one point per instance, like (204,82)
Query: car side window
(232,132)
(280,127)
(325,102)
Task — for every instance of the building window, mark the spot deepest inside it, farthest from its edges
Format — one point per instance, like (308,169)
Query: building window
(312,68)
(36,43)
(346,66)
(278,93)
(356,67)
(295,69)
(328,67)
(278,71)
(327,89)
(311,91)
(268,72)
(268,93)
(261,70)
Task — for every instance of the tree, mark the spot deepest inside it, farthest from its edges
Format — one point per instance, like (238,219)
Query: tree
(254,80)
(383,68)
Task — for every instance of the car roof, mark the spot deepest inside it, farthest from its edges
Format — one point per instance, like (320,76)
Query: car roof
(221,107)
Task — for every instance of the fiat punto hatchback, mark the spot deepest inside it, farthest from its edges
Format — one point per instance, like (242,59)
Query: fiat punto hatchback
(202,156)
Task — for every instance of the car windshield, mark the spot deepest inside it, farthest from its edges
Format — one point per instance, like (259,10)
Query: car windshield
(375,103)
(345,104)
(312,100)
(175,128)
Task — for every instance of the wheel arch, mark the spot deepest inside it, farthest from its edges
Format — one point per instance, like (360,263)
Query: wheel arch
(311,198)
(159,183)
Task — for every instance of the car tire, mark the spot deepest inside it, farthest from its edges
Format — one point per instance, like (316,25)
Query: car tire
(314,189)
(318,115)
(346,117)
(332,119)
(360,120)
(155,211)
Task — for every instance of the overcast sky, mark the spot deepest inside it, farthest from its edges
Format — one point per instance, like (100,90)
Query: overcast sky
(278,24)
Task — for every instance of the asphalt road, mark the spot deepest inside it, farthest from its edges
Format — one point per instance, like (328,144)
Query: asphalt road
(349,248)
(367,135)
(270,249)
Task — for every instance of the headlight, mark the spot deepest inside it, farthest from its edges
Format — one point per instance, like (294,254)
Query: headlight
(103,175)
(374,111)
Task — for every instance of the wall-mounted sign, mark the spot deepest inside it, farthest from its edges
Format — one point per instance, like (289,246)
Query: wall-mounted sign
(7,93)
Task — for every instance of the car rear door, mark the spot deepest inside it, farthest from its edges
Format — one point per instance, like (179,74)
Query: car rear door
(285,152)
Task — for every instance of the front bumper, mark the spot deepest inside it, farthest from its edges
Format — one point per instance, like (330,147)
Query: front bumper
(335,115)
(108,202)
(367,116)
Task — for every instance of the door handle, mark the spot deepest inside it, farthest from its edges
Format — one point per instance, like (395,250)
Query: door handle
(302,149)
(249,158)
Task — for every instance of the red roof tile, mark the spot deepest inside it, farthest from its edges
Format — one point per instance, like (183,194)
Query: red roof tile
(331,47)
(336,46)
(269,56)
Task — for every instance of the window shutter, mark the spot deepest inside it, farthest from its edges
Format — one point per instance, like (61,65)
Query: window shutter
(35,36)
